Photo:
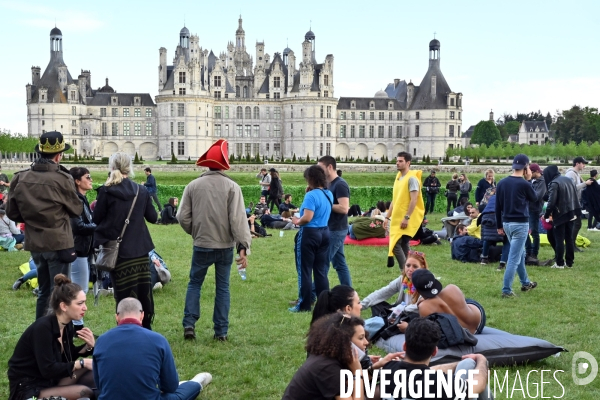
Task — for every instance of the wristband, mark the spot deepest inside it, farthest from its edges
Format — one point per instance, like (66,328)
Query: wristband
(357,377)
(389,219)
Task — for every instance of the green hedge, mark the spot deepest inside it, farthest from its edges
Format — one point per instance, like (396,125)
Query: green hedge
(364,196)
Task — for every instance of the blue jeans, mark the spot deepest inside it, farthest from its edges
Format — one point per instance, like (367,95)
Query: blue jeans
(517,233)
(312,258)
(533,248)
(202,258)
(19,237)
(337,257)
(48,266)
(351,232)
(80,274)
(186,391)
(429,206)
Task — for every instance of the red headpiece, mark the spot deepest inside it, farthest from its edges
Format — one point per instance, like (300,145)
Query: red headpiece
(216,156)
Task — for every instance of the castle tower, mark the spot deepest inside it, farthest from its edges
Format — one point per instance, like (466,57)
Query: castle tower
(240,37)
(434,53)
(184,38)
(310,37)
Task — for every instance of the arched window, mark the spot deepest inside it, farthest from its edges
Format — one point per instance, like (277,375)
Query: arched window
(256,112)
(239,112)
(248,114)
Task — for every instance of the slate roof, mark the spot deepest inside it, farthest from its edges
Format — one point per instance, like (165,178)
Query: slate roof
(532,126)
(125,99)
(469,132)
(363,103)
(397,92)
(49,80)
(423,99)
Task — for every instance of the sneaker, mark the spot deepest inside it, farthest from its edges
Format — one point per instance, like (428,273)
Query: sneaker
(220,338)
(501,266)
(593,229)
(569,266)
(531,260)
(189,333)
(157,286)
(529,286)
(508,295)
(558,266)
(17,284)
(547,263)
(105,292)
(203,378)
(578,249)
(19,246)
(484,261)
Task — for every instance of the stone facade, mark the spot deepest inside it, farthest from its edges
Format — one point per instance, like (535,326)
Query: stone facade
(533,132)
(271,107)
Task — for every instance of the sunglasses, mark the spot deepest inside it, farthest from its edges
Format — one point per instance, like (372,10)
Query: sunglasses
(344,316)
(417,253)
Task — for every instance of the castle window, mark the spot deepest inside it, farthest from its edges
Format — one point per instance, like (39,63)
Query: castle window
(343,115)
(126,128)
(226,112)
(43,122)
(321,131)
(277,82)
(217,81)
(325,93)
(126,111)
(43,112)
(181,90)
(136,101)
(114,129)
(371,105)
(256,112)
(352,131)
(380,131)
(239,112)
(73,131)
(353,104)
(180,109)
(247,130)
(43,97)
(451,132)
(414,151)
(398,116)
(328,130)
(114,112)
(342,131)
(73,110)
(248,113)
(256,131)
(322,108)
(226,95)
(451,114)
(320,149)
(255,148)
(326,80)
(391,106)
(276,130)
(276,148)
(182,77)
(361,115)
(181,128)
(381,116)
(417,115)
(452,101)
(239,130)
(328,147)
(328,111)
(104,129)
(390,130)
(148,112)
(74,122)
(218,130)
(218,94)
(361,131)
(72,95)
(180,148)
(74,142)
(417,130)
(85,132)
(267,96)
(371,131)
(398,132)
(277,112)
(276,95)
(245,92)
(137,112)
(137,129)
(115,101)
(268,112)
(459,115)
(148,128)
(103,112)
(372,116)
(390,116)
(268,131)
(217,112)
(352,115)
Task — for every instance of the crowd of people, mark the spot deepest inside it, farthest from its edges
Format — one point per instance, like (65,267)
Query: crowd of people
(46,363)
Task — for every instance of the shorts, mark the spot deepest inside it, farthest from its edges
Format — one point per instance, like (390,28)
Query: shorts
(482,322)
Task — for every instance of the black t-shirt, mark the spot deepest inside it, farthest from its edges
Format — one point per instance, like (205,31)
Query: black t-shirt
(339,188)
(394,366)
(317,379)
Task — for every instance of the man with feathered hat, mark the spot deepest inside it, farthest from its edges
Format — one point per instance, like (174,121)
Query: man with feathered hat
(43,196)
(212,211)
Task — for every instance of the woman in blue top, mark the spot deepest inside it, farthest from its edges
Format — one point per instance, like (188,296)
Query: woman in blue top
(312,240)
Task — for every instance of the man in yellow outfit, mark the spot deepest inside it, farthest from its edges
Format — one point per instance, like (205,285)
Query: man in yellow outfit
(406,211)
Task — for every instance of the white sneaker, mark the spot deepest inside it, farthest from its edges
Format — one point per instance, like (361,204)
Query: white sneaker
(558,266)
(203,378)
(593,229)
(105,292)
(157,286)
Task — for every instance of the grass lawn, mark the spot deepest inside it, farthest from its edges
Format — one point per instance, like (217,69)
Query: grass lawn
(265,345)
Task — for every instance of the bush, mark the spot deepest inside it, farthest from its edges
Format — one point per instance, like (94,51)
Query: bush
(294,158)
(173,158)
(307,158)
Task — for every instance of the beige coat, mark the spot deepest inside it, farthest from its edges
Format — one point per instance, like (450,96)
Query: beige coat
(44,198)
(212,211)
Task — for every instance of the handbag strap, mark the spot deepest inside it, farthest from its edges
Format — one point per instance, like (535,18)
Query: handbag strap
(120,238)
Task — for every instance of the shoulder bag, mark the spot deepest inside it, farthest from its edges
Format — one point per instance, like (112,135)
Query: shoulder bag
(109,252)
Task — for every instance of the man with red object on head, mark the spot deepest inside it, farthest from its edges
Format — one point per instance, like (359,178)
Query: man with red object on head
(212,210)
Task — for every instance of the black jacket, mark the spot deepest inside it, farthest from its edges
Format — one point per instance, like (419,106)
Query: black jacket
(38,357)
(111,211)
(83,229)
(591,197)
(482,186)
(168,214)
(539,186)
(453,186)
(432,182)
(562,197)
(276,189)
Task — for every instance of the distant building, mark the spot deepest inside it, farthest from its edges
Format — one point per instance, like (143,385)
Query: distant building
(262,106)
(467,135)
(533,132)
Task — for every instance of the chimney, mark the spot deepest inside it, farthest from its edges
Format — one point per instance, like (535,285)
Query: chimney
(82,81)
(35,75)
(410,93)
(396,83)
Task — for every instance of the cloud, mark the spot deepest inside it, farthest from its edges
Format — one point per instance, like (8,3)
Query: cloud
(40,16)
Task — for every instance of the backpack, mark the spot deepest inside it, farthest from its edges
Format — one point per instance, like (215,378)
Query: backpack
(488,193)
(452,333)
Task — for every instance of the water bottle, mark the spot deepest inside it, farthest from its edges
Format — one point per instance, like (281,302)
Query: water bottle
(393,318)
(241,269)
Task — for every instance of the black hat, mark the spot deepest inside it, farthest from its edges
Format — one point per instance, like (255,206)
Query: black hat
(520,161)
(425,283)
(578,160)
(272,170)
(52,143)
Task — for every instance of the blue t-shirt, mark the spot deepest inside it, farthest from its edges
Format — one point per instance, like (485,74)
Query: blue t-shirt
(339,188)
(319,201)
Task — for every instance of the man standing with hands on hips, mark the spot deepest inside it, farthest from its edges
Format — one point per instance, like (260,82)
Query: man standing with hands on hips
(406,210)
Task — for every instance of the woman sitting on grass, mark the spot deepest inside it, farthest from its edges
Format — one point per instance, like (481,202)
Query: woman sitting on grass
(341,298)
(45,362)
(401,286)
(168,215)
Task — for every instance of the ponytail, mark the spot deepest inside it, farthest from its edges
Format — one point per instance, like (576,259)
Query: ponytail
(331,301)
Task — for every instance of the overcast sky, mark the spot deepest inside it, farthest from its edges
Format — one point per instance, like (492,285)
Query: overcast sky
(507,56)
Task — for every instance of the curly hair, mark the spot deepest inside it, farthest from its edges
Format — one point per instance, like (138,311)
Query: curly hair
(315,177)
(421,338)
(331,336)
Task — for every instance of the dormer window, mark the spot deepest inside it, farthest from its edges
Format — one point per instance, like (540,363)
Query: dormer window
(390,105)
(452,101)
(353,104)
(136,101)
(114,100)
(372,105)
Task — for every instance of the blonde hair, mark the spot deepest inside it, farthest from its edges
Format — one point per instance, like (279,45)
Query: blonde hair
(375,212)
(455,176)
(489,171)
(120,165)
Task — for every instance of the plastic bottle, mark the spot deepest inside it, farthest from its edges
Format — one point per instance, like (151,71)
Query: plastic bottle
(393,318)
(241,269)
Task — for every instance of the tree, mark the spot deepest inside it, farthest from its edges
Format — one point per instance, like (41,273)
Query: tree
(307,157)
(294,158)
(136,160)
(173,158)
(512,127)
(577,124)
(485,132)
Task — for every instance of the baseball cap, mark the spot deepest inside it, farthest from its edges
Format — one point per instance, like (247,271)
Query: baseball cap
(520,161)
(535,168)
(425,283)
(578,160)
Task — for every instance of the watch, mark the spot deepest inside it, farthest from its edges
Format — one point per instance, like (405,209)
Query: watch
(407,217)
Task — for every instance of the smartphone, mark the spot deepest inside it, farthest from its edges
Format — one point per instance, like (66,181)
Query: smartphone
(360,353)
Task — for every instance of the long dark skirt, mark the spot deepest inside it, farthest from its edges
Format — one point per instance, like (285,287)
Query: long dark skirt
(131,278)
